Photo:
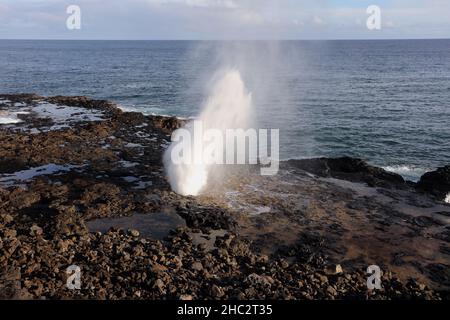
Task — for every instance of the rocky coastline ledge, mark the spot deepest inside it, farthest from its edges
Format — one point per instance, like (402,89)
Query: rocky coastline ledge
(81,183)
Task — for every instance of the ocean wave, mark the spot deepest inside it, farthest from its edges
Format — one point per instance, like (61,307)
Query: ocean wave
(150,113)
(127,108)
(409,172)
(447,198)
(10,117)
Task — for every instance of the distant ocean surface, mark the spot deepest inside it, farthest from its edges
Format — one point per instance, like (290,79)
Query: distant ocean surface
(384,101)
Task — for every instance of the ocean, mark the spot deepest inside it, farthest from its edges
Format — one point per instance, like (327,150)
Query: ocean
(387,102)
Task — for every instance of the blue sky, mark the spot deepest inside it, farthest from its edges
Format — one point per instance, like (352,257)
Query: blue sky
(224,19)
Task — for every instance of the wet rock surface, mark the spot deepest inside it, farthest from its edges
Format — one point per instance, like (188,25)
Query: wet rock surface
(436,182)
(349,169)
(309,232)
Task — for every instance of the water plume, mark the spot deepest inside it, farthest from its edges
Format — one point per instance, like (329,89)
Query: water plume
(228,107)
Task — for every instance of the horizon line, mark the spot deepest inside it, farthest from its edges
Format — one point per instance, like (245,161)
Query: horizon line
(330,39)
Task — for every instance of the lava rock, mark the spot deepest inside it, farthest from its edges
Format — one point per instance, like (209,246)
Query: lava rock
(436,182)
(351,169)
(217,292)
(333,269)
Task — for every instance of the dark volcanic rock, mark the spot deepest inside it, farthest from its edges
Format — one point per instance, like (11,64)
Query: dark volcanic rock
(351,169)
(436,182)
(85,102)
(43,223)
(167,123)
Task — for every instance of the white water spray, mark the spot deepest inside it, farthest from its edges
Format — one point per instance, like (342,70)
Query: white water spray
(228,107)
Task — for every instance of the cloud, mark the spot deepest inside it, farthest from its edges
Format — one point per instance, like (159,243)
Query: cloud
(3,8)
(229,4)
(223,19)
(318,20)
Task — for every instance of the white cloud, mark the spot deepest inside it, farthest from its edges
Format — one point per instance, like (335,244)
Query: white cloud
(219,19)
(318,20)
(230,4)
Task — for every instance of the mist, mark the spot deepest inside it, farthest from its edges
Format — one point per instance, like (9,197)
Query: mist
(244,83)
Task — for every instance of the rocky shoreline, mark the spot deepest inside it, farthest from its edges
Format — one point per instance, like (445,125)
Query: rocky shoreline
(69,165)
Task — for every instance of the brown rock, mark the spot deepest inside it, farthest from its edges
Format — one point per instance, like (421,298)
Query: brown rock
(217,291)
(197,266)
(35,230)
(134,233)
(333,269)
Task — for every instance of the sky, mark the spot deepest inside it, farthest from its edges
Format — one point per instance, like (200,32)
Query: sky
(224,19)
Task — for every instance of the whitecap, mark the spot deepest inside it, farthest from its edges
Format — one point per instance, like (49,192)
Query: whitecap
(409,172)
(127,108)
(10,117)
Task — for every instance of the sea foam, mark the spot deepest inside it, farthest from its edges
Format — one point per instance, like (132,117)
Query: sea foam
(409,172)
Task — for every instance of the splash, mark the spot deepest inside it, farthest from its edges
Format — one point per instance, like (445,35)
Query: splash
(447,198)
(409,172)
(228,107)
